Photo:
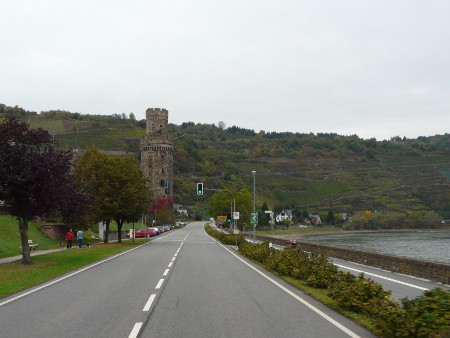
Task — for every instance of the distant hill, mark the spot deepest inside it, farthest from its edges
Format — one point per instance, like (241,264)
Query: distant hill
(314,172)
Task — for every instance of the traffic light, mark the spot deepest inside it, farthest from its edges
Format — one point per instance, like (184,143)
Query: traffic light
(167,188)
(199,188)
(229,217)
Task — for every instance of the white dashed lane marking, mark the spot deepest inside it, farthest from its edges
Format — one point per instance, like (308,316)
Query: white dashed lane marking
(137,327)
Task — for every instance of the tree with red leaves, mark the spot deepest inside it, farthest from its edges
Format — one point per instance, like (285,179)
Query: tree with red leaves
(35,177)
(163,206)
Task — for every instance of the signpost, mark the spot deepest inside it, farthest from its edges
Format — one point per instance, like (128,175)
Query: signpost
(254,222)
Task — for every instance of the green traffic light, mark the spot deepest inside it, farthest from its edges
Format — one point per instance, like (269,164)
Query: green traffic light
(199,188)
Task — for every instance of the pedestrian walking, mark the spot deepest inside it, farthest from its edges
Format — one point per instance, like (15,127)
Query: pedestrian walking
(80,235)
(69,237)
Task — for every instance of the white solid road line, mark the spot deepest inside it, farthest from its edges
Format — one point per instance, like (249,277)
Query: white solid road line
(301,300)
(382,277)
(68,276)
(134,333)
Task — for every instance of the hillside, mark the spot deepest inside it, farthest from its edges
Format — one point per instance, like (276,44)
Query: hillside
(317,173)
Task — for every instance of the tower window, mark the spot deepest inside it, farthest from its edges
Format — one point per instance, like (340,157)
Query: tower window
(162,183)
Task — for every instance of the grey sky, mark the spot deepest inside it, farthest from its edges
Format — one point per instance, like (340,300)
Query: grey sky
(374,68)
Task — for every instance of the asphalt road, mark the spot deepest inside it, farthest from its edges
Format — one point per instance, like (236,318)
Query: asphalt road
(401,286)
(182,284)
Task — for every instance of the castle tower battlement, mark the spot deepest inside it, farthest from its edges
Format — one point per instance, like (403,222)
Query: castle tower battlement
(157,153)
(157,121)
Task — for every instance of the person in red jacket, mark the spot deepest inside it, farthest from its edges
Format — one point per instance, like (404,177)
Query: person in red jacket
(69,238)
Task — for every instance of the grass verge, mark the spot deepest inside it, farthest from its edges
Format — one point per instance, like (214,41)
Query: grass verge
(322,296)
(15,276)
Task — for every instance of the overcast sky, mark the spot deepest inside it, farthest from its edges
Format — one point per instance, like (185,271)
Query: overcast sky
(374,68)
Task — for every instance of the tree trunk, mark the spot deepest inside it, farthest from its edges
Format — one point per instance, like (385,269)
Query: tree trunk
(23,230)
(106,239)
(119,228)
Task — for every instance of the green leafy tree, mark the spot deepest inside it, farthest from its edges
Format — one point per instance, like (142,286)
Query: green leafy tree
(264,207)
(330,217)
(221,202)
(244,204)
(128,184)
(91,174)
(35,178)
(115,186)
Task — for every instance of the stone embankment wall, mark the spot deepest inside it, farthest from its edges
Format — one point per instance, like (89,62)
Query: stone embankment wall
(438,272)
(57,231)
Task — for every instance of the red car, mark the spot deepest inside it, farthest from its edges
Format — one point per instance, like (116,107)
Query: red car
(143,233)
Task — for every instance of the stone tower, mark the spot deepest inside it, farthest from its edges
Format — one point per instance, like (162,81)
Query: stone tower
(157,153)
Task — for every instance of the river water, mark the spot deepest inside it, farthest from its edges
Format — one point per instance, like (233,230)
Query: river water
(427,245)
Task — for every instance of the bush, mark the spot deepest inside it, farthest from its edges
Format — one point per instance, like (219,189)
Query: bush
(424,316)
(359,294)
(259,252)
(227,239)
(322,272)
(284,261)
(230,239)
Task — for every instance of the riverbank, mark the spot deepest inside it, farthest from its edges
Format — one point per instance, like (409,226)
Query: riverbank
(434,270)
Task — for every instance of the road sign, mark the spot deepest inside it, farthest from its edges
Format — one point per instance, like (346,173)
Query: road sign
(236,215)
(254,218)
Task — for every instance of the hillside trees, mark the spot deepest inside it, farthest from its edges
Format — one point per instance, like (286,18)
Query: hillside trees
(115,186)
(35,178)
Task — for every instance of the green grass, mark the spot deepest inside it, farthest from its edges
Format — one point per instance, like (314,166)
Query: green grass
(10,241)
(322,296)
(53,126)
(15,276)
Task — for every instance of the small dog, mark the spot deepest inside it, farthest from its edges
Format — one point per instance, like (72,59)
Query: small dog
(61,245)
(88,245)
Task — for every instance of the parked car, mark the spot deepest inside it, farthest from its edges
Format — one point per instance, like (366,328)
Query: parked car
(161,229)
(167,227)
(156,230)
(143,233)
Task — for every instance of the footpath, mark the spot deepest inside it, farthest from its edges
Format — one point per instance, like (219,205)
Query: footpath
(41,252)
(33,253)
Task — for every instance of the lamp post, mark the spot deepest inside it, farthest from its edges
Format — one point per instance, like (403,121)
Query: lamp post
(254,201)
(254,193)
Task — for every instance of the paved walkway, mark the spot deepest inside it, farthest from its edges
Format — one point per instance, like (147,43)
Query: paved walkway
(33,253)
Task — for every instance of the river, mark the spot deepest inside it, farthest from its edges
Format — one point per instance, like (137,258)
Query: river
(433,245)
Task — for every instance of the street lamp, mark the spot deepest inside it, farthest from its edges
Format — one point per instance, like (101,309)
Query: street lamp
(254,201)
(254,191)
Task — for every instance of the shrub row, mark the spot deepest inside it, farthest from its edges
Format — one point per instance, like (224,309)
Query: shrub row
(228,239)
(425,316)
